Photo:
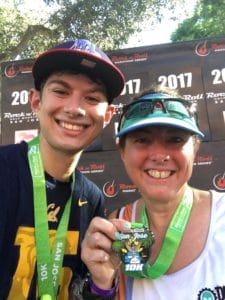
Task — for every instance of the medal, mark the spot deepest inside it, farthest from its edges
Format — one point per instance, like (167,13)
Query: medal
(134,247)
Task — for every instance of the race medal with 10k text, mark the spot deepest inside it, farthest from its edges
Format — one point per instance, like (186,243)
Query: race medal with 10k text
(134,247)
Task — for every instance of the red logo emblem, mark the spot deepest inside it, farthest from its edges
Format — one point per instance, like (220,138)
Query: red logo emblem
(11,71)
(201,49)
(219,181)
(110,189)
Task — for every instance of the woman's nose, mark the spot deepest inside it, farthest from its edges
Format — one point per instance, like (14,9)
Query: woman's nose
(159,153)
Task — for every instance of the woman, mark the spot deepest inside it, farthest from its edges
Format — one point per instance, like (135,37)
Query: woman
(158,141)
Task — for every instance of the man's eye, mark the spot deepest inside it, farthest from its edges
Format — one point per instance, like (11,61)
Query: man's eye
(93,99)
(60,92)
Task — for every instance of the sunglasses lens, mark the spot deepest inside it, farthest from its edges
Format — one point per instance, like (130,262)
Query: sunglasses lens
(142,108)
(177,108)
(137,110)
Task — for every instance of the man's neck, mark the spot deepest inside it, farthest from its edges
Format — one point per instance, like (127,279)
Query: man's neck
(58,164)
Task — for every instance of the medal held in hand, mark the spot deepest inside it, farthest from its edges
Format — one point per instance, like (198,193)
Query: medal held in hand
(134,248)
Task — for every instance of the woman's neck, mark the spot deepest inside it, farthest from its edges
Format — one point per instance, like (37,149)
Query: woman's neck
(161,211)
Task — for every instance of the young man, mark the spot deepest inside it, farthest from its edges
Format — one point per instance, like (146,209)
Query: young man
(46,203)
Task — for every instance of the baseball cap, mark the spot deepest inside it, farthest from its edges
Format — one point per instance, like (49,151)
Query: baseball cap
(83,56)
(158,109)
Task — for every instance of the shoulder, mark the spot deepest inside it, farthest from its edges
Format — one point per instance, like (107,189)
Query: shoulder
(216,218)
(126,212)
(86,184)
(217,196)
(13,152)
(14,175)
(13,158)
(90,201)
(88,191)
(218,202)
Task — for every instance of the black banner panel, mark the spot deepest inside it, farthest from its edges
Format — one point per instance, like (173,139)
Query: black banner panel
(18,121)
(196,69)
(209,167)
(106,169)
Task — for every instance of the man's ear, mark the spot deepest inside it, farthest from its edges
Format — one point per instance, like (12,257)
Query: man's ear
(109,114)
(35,99)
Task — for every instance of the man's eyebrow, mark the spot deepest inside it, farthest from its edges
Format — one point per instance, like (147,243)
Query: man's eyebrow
(98,88)
(58,81)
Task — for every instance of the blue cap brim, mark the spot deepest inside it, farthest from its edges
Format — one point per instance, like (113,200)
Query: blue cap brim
(161,121)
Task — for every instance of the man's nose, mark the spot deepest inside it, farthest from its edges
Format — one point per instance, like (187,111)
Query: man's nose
(75,105)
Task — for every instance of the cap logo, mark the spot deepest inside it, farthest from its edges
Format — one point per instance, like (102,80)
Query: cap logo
(158,105)
(88,63)
(85,45)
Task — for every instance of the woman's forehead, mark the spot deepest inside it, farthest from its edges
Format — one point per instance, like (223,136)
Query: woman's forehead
(164,129)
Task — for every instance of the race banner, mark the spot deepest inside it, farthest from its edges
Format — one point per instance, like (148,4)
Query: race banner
(196,69)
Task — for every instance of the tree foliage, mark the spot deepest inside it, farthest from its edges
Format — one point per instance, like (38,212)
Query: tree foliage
(207,21)
(108,23)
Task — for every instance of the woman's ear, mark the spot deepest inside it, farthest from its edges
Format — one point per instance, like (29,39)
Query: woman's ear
(197,143)
(35,99)
(120,149)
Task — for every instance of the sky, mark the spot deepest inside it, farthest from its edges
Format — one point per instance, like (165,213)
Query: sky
(157,35)
(161,33)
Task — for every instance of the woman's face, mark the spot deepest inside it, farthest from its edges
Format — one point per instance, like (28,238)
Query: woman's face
(159,160)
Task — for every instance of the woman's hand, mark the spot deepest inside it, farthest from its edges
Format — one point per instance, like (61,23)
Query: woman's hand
(97,252)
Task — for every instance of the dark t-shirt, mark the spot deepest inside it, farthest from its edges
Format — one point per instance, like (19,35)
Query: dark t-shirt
(17,241)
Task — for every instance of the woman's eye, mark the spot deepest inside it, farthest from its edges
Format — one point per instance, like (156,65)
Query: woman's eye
(176,140)
(142,140)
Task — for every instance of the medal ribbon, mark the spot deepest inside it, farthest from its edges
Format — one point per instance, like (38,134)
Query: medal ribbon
(49,261)
(172,239)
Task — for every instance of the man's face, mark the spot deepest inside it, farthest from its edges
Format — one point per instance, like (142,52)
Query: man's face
(71,111)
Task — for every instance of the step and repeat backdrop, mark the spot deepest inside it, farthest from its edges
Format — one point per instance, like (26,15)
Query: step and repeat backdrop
(196,69)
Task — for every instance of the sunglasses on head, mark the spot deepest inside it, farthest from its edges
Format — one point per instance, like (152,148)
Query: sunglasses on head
(150,104)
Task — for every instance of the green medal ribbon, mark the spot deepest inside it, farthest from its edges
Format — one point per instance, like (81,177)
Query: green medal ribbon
(49,261)
(172,239)
(46,297)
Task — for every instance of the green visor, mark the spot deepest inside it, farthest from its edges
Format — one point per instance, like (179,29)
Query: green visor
(158,110)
